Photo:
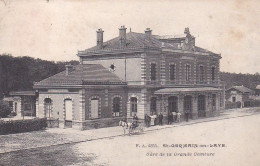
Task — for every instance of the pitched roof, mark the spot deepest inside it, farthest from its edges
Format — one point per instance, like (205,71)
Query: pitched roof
(258,87)
(242,89)
(133,40)
(82,74)
(139,40)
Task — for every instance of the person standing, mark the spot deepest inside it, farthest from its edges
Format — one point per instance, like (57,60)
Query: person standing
(174,116)
(187,115)
(152,119)
(146,119)
(170,118)
(178,117)
(135,120)
(160,118)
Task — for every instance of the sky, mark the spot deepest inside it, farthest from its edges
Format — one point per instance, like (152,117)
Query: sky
(56,29)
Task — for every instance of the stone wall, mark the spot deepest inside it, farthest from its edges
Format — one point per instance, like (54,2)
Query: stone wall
(98,123)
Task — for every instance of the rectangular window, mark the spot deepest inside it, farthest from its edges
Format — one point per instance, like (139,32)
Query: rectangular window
(153,71)
(201,73)
(15,107)
(213,70)
(172,72)
(188,72)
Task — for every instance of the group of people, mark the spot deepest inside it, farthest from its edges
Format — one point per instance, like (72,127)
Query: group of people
(174,117)
(155,119)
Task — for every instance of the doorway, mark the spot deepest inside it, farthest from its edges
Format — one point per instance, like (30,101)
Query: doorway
(94,108)
(188,105)
(172,104)
(68,113)
(201,106)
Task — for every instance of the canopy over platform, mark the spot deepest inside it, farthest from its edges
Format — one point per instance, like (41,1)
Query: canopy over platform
(183,90)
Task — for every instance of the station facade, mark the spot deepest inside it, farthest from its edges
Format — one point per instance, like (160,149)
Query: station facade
(134,73)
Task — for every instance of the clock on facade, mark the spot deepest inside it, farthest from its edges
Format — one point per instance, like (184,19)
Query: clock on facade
(112,68)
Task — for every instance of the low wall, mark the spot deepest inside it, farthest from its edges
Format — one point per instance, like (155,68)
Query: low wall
(98,123)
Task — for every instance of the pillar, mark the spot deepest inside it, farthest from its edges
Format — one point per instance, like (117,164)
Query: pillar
(208,105)
(181,104)
(141,108)
(82,108)
(162,70)
(143,69)
(194,106)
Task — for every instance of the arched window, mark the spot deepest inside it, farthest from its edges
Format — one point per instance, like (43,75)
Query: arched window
(116,106)
(153,105)
(48,108)
(133,105)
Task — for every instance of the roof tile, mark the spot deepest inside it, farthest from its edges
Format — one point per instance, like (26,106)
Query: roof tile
(91,73)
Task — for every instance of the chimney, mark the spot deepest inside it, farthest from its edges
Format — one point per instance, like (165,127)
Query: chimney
(69,69)
(122,36)
(148,33)
(100,38)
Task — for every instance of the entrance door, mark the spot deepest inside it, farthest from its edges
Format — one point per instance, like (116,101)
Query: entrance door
(188,105)
(94,108)
(201,106)
(68,113)
(172,104)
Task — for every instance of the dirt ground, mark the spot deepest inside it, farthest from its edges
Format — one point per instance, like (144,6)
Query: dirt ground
(233,141)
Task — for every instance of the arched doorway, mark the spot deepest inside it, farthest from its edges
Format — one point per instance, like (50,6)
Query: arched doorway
(116,106)
(188,105)
(201,106)
(172,104)
(48,108)
(68,112)
(133,106)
